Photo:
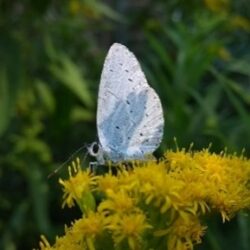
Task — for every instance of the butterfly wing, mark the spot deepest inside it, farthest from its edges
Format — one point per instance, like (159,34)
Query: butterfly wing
(129,113)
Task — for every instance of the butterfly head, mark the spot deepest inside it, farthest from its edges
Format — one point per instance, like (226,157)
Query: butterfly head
(95,150)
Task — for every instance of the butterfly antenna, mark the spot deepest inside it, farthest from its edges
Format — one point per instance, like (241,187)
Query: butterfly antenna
(68,160)
(84,156)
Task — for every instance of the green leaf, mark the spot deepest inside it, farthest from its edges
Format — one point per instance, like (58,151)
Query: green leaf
(87,202)
(39,196)
(81,114)
(4,101)
(71,77)
(106,10)
(45,95)
(161,52)
(234,99)
(10,78)
(240,66)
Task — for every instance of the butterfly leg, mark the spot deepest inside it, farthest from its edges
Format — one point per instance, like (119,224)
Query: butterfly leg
(93,166)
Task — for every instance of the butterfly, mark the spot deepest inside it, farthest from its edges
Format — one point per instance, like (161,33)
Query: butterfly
(130,119)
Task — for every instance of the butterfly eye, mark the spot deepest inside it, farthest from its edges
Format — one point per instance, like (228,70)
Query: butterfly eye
(94,149)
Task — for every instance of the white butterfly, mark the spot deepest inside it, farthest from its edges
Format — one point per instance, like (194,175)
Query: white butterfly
(129,114)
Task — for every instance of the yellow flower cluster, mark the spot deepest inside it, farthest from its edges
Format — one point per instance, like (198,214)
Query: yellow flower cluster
(153,205)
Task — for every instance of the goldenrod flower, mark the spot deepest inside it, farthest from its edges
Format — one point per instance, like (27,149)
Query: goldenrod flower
(68,241)
(79,184)
(184,233)
(130,228)
(107,182)
(154,205)
(117,202)
(44,244)
(158,186)
(88,228)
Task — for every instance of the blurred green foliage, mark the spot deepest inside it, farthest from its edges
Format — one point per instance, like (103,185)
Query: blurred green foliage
(196,54)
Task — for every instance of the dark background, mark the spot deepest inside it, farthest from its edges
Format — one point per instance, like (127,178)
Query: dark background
(195,54)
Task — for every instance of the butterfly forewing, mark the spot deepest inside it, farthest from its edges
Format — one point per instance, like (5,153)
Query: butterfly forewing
(129,114)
